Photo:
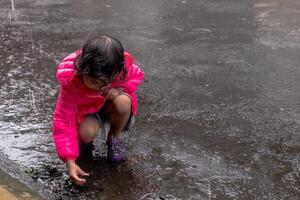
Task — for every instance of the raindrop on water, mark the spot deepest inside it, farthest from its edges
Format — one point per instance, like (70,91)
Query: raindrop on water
(12,5)
(32,99)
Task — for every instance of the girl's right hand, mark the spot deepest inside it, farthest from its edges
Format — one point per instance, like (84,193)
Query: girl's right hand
(113,93)
(75,172)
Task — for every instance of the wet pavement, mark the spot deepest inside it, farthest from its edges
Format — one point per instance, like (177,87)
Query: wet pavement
(219,113)
(12,189)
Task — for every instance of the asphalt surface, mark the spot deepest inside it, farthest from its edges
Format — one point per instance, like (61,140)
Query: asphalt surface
(218,110)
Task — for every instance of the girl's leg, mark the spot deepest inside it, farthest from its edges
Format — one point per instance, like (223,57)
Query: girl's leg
(118,112)
(89,129)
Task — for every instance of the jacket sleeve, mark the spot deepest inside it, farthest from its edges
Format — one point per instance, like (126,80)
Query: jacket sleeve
(65,128)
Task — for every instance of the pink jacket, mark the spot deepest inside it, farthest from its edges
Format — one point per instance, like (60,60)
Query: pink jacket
(75,101)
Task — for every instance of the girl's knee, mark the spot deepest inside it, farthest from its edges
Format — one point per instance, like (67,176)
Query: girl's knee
(122,104)
(87,133)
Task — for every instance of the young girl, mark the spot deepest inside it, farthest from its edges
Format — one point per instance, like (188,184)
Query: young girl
(96,82)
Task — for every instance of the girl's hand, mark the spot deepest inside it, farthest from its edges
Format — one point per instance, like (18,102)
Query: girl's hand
(113,93)
(75,172)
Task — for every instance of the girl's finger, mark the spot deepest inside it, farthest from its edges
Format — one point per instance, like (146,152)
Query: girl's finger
(77,180)
(114,94)
(109,94)
(80,181)
(82,173)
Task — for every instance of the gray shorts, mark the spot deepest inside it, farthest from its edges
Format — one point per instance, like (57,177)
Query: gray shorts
(104,122)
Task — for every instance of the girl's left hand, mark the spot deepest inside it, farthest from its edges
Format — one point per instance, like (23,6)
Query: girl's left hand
(113,93)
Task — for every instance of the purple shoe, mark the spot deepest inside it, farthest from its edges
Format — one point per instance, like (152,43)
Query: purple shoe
(116,151)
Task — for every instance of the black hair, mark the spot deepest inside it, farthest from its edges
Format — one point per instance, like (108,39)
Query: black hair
(102,58)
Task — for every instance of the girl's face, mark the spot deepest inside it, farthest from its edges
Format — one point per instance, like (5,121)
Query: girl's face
(94,84)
